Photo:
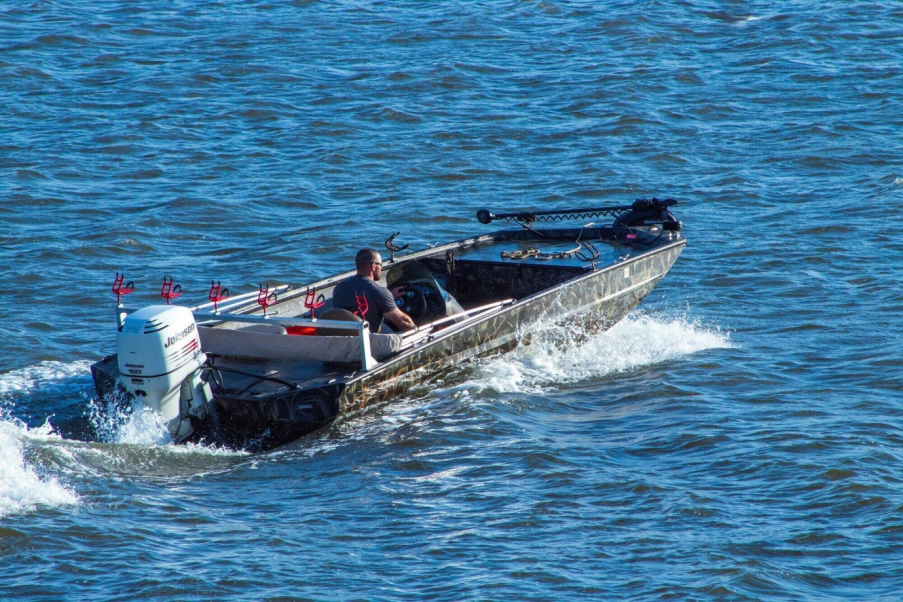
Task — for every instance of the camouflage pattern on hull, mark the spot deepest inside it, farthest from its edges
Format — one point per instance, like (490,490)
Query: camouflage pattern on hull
(602,297)
(258,424)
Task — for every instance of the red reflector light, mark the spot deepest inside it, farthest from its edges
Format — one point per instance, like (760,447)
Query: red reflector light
(308,330)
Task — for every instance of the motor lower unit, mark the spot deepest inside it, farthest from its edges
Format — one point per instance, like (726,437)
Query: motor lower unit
(160,362)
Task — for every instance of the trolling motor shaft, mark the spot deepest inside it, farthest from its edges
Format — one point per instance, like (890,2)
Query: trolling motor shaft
(650,207)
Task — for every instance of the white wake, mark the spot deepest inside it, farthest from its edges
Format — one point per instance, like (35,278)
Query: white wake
(561,355)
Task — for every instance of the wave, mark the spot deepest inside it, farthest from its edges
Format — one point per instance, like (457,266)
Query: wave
(22,486)
(26,379)
(39,468)
(135,443)
(561,355)
(551,357)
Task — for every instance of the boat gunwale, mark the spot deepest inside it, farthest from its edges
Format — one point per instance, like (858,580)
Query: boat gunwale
(449,332)
(456,329)
(293,292)
(656,247)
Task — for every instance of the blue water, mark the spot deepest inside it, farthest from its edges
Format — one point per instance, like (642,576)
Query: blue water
(738,437)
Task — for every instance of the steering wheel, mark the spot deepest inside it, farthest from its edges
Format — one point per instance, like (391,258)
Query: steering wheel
(413,303)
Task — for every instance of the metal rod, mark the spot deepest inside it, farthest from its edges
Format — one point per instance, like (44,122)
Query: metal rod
(415,337)
(485,216)
(327,324)
(238,299)
(252,319)
(468,313)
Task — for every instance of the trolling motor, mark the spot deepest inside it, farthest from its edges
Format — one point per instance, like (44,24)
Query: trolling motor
(637,214)
(650,210)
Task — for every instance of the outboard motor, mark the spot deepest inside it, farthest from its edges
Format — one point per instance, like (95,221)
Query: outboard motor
(160,362)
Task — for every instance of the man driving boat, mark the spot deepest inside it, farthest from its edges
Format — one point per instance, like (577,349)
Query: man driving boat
(380,301)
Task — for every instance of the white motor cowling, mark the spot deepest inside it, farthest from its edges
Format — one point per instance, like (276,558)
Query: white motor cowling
(160,360)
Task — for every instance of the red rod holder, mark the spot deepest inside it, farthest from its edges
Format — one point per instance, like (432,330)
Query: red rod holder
(170,291)
(217,294)
(311,301)
(265,298)
(119,289)
(363,306)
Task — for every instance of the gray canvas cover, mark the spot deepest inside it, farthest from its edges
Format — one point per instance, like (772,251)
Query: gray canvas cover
(272,345)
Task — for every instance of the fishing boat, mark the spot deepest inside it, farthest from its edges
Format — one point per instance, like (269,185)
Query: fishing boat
(259,370)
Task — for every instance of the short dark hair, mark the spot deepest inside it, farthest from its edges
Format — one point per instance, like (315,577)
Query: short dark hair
(365,257)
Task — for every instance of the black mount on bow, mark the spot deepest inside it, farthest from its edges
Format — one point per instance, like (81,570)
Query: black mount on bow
(641,211)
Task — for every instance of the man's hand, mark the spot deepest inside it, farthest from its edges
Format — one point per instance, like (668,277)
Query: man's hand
(401,320)
(397,292)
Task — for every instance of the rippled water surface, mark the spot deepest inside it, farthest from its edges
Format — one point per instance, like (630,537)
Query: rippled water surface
(738,436)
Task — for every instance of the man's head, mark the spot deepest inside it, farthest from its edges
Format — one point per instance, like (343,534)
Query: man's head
(369,263)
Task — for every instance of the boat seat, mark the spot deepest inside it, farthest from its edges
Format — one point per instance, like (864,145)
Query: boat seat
(340,315)
(226,342)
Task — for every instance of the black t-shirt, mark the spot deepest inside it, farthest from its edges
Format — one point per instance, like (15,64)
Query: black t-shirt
(379,299)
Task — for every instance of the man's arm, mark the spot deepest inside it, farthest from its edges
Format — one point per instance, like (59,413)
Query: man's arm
(401,320)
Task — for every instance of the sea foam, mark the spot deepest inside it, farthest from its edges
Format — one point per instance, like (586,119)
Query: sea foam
(22,488)
(31,377)
(564,354)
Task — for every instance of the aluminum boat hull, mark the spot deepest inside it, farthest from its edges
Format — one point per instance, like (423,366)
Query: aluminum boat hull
(601,295)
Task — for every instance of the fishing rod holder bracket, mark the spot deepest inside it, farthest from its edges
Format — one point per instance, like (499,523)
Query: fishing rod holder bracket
(312,301)
(217,294)
(265,298)
(120,289)
(170,290)
(392,247)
